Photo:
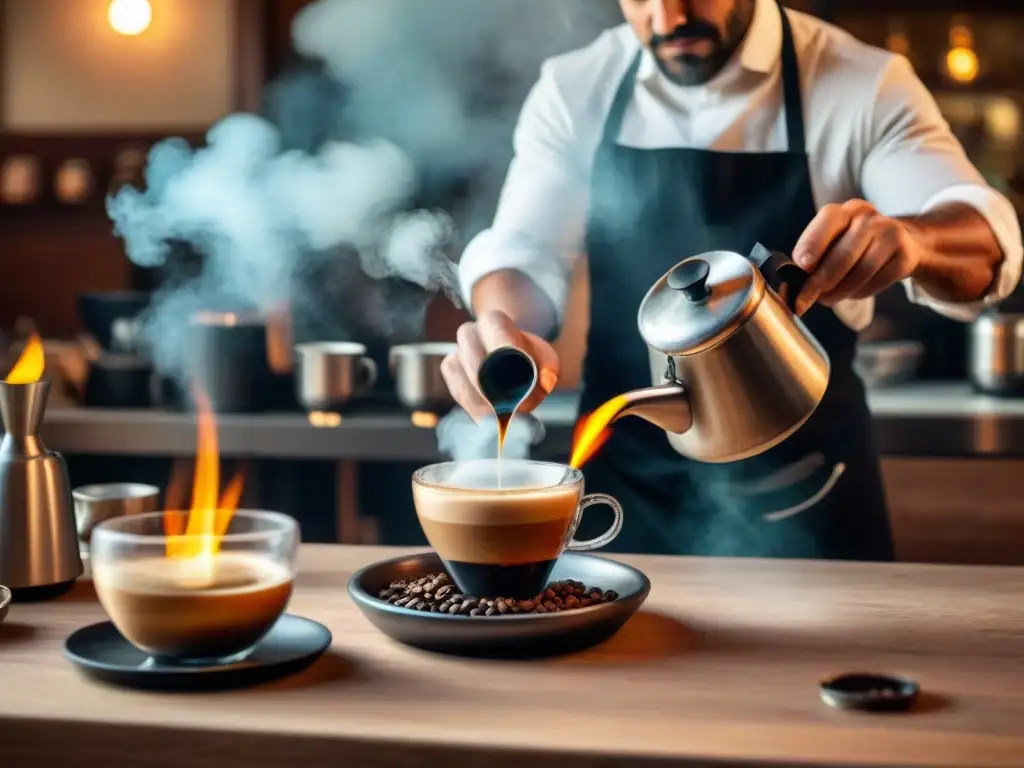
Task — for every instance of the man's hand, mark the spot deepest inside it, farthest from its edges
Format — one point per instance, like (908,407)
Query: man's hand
(476,340)
(853,252)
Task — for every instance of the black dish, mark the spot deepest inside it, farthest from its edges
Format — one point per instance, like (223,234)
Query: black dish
(509,636)
(869,692)
(291,646)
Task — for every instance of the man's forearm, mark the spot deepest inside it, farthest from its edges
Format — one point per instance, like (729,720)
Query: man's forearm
(513,293)
(960,254)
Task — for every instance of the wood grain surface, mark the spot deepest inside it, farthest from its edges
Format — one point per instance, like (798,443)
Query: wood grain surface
(720,668)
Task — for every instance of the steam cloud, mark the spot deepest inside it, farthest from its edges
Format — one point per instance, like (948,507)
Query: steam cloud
(463,439)
(416,95)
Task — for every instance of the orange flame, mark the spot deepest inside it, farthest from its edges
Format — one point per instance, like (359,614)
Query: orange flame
(593,431)
(209,517)
(30,365)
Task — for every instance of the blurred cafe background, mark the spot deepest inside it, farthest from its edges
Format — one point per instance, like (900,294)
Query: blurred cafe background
(88,86)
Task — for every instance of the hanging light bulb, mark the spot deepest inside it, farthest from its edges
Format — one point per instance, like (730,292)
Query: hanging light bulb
(961,60)
(130,17)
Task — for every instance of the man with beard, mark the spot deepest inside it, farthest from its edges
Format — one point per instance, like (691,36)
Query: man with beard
(713,125)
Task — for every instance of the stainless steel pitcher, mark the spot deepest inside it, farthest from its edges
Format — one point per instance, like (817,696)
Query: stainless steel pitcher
(735,370)
(39,555)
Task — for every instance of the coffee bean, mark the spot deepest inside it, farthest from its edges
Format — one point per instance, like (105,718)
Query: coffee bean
(435,593)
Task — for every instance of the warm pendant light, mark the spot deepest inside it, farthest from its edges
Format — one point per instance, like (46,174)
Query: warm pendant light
(130,17)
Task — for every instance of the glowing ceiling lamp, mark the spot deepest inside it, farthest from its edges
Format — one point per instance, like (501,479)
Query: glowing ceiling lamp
(961,60)
(130,17)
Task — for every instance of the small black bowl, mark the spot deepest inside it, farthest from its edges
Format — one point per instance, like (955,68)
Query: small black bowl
(518,636)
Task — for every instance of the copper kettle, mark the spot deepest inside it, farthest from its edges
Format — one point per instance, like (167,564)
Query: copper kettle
(735,370)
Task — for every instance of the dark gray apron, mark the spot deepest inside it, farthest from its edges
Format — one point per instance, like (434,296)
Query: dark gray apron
(649,210)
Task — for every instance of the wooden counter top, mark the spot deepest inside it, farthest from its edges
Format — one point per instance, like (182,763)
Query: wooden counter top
(721,665)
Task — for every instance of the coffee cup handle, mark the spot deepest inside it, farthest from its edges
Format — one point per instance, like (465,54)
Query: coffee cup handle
(608,536)
(367,373)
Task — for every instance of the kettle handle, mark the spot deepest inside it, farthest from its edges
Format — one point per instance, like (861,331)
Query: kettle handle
(781,273)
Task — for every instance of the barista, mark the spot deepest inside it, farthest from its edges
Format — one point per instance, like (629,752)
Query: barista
(715,124)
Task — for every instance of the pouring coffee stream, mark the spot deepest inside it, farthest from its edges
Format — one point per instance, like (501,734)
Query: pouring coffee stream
(506,377)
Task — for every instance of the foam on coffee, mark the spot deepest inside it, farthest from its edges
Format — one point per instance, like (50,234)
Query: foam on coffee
(499,492)
(188,609)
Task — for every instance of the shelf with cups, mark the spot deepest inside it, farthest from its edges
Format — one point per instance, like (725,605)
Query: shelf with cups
(918,419)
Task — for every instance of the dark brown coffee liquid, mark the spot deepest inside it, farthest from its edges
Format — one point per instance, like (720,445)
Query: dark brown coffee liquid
(504,419)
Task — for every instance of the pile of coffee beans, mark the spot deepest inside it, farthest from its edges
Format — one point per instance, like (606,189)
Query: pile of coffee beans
(435,593)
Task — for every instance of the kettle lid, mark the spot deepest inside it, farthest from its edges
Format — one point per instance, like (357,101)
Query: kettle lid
(699,302)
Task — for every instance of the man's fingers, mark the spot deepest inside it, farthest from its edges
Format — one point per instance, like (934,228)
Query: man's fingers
(471,348)
(548,371)
(895,269)
(824,228)
(463,388)
(840,260)
(874,259)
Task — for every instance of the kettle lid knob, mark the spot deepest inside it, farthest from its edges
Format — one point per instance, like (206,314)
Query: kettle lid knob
(691,277)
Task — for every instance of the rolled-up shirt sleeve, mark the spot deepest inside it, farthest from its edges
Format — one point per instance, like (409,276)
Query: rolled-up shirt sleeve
(914,164)
(539,225)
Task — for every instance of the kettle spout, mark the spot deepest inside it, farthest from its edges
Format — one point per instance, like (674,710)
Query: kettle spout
(665,406)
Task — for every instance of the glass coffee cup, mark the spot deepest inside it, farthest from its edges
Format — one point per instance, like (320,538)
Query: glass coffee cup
(500,526)
(179,600)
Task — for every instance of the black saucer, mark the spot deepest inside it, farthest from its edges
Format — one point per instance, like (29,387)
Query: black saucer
(103,654)
(518,636)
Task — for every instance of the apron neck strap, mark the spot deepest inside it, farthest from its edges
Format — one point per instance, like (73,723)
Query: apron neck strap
(792,100)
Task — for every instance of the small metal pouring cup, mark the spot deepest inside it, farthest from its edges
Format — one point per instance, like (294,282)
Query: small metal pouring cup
(95,504)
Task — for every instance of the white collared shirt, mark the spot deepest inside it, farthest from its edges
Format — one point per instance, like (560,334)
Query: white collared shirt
(873,132)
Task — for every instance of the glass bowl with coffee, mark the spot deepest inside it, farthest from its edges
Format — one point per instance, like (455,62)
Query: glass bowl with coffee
(195,598)
(500,525)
